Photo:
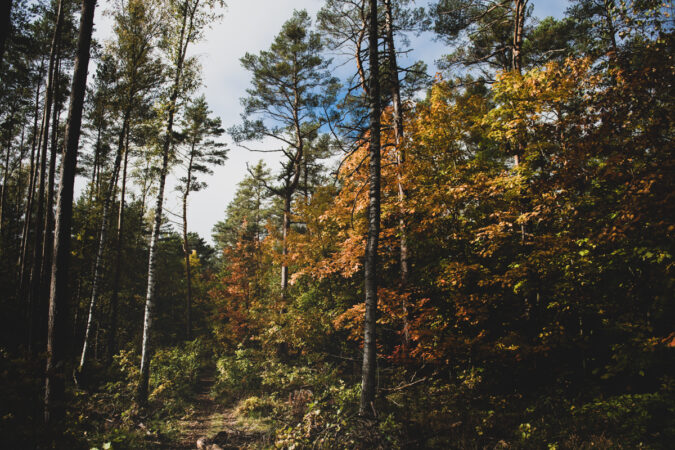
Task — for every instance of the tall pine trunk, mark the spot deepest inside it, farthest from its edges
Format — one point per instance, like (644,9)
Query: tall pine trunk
(368,376)
(518,26)
(57,335)
(397,108)
(146,349)
(98,263)
(186,247)
(36,269)
(114,298)
(28,211)
(47,233)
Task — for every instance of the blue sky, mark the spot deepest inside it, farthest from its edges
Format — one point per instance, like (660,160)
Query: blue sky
(250,26)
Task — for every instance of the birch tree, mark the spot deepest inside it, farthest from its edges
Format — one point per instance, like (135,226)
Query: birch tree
(186,22)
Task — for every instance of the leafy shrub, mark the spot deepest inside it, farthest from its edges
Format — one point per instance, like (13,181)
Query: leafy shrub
(174,371)
(237,375)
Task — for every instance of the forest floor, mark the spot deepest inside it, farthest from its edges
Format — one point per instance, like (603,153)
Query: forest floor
(213,423)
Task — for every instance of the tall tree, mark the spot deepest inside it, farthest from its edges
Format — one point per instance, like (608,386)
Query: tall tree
(186,22)
(202,153)
(36,268)
(291,89)
(486,34)
(136,30)
(368,376)
(57,336)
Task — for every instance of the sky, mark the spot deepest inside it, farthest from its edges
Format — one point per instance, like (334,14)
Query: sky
(250,26)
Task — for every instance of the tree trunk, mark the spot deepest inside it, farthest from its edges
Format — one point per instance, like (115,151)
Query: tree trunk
(400,160)
(186,247)
(367,406)
(5,177)
(611,28)
(47,233)
(36,270)
(94,170)
(146,351)
(23,253)
(57,336)
(284,248)
(114,299)
(98,264)
(518,25)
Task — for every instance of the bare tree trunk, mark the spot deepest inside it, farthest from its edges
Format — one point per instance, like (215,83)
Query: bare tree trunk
(47,234)
(284,247)
(142,393)
(367,405)
(36,270)
(186,246)
(114,299)
(94,170)
(400,160)
(98,264)
(23,253)
(5,178)
(146,351)
(57,336)
(518,26)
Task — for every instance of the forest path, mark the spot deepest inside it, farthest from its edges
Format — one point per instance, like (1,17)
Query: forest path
(212,422)
(209,418)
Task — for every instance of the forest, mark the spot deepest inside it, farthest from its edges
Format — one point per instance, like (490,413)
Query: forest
(477,255)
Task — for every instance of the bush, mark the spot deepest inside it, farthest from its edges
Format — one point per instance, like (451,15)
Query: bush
(174,372)
(237,375)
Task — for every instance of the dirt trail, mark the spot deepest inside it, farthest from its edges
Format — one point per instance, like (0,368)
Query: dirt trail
(213,421)
(209,418)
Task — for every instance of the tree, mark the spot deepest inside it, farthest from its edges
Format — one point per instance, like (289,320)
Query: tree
(136,30)
(249,209)
(202,153)
(292,88)
(57,343)
(366,406)
(187,21)
(36,268)
(494,29)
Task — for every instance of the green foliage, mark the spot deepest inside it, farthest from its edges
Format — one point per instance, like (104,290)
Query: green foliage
(237,375)
(175,372)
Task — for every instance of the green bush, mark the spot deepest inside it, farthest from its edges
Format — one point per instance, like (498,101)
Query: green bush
(237,375)
(174,372)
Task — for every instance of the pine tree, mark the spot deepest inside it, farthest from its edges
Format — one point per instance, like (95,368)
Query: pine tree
(291,87)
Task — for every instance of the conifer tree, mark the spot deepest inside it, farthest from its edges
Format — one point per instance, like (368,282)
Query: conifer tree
(291,89)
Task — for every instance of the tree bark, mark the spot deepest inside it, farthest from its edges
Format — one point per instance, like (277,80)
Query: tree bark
(518,26)
(400,160)
(114,299)
(36,270)
(98,264)
(23,253)
(47,233)
(146,351)
(5,178)
(367,406)
(186,246)
(57,336)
